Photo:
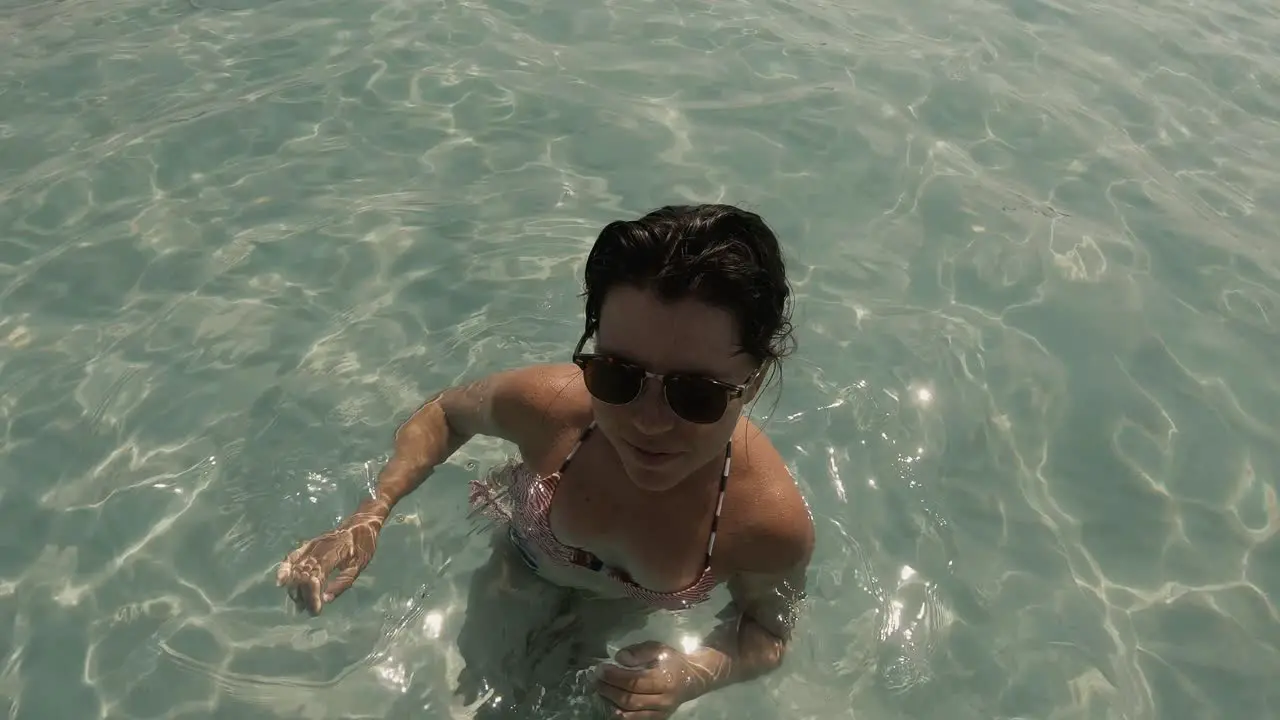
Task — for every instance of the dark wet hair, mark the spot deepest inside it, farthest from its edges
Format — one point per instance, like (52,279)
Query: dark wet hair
(720,254)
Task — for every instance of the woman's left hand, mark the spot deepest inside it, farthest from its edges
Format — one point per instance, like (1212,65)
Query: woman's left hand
(649,681)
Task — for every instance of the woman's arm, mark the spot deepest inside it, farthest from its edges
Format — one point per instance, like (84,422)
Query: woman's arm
(517,405)
(650,680)
(506,405)
(763,612)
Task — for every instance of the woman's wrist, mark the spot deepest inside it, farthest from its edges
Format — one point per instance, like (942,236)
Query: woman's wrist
(374,510)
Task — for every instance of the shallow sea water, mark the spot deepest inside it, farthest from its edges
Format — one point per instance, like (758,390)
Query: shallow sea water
(1035,405)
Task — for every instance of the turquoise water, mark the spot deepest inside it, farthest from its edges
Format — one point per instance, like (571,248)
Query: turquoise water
(1035,405)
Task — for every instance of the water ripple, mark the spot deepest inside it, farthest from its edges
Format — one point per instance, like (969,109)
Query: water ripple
(1034,410)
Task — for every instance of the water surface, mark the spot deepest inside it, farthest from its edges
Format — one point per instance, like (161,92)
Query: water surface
(1035,404)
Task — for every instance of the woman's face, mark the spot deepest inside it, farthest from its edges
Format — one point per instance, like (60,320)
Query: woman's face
(658,448)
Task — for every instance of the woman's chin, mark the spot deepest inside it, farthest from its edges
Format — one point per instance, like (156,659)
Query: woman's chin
(651,479)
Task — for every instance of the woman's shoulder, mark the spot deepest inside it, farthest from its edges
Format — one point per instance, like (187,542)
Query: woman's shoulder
(551,391)
(767,520)
(540,402)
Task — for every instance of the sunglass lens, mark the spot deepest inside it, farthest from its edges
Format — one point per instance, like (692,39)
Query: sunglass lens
(612,382)
(696,400)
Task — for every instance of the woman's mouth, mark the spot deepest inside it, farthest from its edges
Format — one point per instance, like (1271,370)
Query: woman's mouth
(650,457)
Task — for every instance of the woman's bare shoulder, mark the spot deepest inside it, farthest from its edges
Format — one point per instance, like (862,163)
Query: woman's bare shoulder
(767,519)
(537,402)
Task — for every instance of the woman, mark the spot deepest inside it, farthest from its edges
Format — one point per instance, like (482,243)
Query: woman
(640,477)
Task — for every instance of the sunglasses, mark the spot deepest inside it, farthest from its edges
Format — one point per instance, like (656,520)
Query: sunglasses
(694,398)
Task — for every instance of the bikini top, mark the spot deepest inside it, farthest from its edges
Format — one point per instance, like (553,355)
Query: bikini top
(531,518)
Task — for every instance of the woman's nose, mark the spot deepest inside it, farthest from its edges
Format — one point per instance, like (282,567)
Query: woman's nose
(652,414)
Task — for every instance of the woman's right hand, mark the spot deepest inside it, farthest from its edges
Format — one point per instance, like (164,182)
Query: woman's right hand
(347,549)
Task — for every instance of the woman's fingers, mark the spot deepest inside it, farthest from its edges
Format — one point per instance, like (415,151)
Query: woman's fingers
(285,572)
(303,572)
(306,569)
(344,580)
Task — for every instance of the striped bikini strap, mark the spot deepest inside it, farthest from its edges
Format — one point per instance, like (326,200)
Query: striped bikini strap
(724,481)
(576,446)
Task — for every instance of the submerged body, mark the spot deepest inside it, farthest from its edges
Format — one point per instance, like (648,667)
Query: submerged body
(640,476)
